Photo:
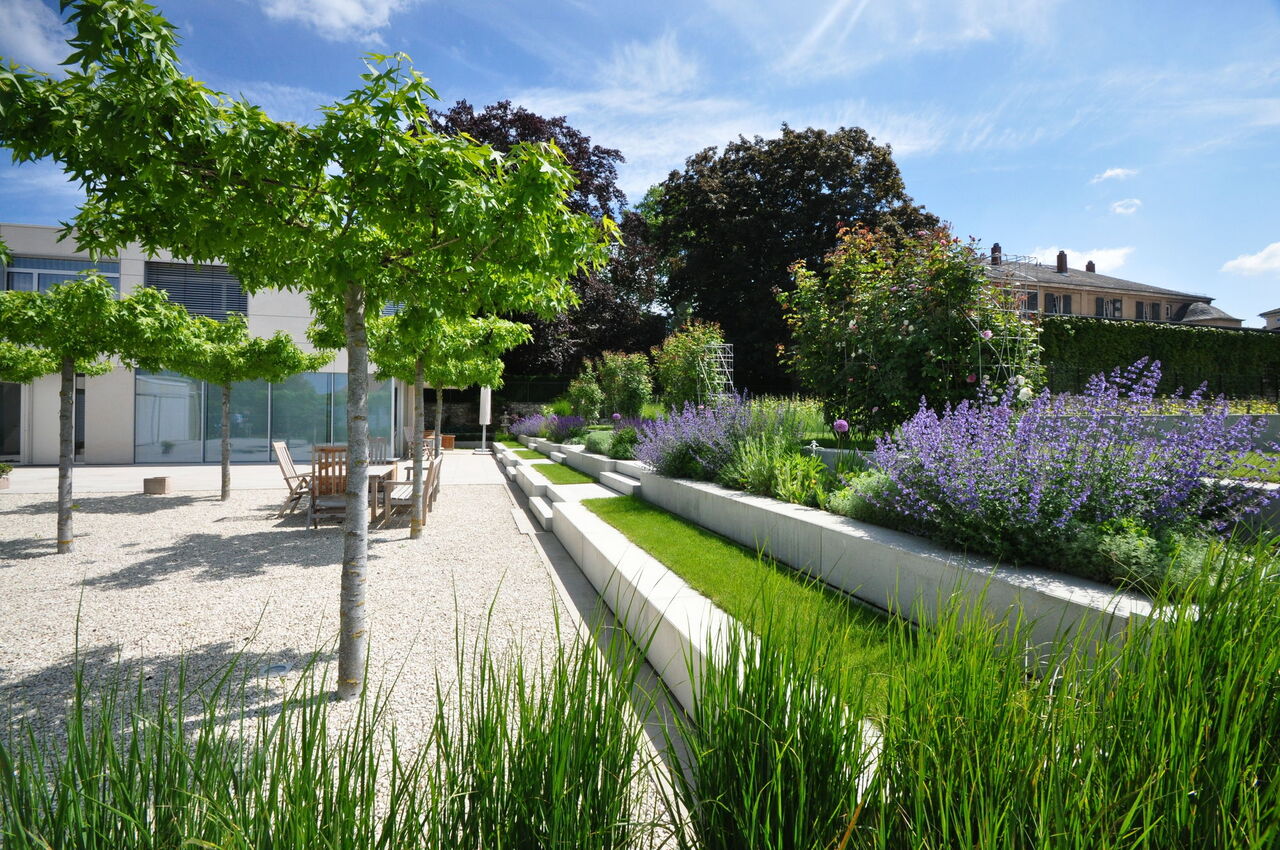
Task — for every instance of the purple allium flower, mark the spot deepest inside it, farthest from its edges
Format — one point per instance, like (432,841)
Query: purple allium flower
(840,426)
(617,417)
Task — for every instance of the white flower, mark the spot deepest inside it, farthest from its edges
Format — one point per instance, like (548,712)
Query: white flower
(1024,394)
(911,327)
(853,325)
(1019,380)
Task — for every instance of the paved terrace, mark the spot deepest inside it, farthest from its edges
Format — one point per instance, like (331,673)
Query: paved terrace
(158,578)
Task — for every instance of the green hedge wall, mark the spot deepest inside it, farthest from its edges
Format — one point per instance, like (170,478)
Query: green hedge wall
(1235,363)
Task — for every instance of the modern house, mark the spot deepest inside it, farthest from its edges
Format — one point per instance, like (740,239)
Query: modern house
(140,417)
(1063,291)
(1272,318)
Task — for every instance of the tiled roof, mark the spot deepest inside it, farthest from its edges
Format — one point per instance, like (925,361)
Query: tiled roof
(1050,276)
(1201,311)
(1270,312)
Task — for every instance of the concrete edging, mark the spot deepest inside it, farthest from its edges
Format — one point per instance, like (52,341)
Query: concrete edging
(898,572)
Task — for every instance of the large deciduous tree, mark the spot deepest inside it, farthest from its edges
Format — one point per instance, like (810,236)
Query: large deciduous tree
(418,347)
(614,308)
(733,222)
(75,327)
(223,353)
(356,208)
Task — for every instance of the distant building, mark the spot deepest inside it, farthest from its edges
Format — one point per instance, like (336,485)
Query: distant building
(1272,318)
(1059,290)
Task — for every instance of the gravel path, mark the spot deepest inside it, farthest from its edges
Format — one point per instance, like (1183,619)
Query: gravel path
(159,578)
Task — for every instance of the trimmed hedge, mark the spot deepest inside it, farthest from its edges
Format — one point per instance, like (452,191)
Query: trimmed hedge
(1235,363)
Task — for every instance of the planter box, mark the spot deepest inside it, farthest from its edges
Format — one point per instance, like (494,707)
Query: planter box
(898,572)
(4,483)
(592,464)
(158,486)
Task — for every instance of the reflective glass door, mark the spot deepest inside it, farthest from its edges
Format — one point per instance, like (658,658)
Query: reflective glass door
(10,421)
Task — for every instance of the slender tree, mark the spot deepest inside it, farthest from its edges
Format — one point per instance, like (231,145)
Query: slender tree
(417,347)
(223,353)
(75,327)
(356,208)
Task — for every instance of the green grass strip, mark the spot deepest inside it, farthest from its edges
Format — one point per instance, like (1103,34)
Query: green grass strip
(558,474)
(511,444)
(530,454)
(756,590)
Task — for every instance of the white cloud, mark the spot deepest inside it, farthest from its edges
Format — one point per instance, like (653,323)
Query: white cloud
(339,20)
(41,179)
(1128,206)
(32,34)
(1107,260)
(1265,261)
(1114,174)
(806,38)
(658,65)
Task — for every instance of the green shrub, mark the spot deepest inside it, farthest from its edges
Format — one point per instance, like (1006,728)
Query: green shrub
(559,407)
(857,500)
(685,366)
(753,466)
(585,397)
(5,469)
(624,380)
(623,445)
(598,442)
(801,479)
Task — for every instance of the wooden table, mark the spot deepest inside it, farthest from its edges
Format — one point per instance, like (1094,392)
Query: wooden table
(378,473)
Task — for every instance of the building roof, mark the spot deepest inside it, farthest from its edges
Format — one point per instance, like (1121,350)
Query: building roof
(1049,276)
(1270,312)
(1200,311)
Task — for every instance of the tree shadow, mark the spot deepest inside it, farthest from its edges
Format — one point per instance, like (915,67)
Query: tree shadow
(134,504)
(222,681)
(25,548)
(219,557)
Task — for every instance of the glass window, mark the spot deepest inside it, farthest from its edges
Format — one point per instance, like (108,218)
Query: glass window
(167,417)
(10,420)
(300,413)
(204,290)
(1033,301)
(21,281)
(249,441)
(379,408)
(1099,308)
(1140,310)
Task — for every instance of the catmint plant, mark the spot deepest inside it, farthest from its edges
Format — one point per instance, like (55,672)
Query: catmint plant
(1005,473)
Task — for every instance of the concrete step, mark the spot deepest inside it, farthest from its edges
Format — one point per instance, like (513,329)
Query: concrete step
(558,457)
(511,471)
(541,511)
(624,484)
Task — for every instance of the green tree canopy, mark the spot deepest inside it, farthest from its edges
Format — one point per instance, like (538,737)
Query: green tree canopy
(223,353)
(893,320)
(75,327)
(356,207)
(733,222)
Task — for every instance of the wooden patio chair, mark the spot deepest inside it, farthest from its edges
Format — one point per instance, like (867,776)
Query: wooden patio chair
(379,450)
(328,483)
(298,483)
(397,496)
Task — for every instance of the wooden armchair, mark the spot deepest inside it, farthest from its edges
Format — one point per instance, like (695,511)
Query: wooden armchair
(398,495)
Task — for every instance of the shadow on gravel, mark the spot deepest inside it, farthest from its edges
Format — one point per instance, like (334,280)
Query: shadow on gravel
(217,557)
(24,548)
(40,699)
(134,504)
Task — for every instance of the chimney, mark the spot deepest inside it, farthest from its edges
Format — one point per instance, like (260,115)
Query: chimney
(995,254)
(1090,267)
(1062,262)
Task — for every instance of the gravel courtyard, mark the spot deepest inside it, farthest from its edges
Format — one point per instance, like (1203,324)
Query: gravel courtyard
(156,579)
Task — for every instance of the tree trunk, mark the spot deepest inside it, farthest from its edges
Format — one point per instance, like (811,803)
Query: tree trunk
(439,418)
(226,442)
(419,425)
(353,641)
(66,454)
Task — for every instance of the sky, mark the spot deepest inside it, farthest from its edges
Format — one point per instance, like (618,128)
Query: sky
(1143,136)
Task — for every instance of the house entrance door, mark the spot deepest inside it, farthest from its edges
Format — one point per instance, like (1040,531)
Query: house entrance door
(10,422)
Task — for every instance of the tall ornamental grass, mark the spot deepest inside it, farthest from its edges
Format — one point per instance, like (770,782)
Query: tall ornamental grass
(546,759)
(778,751)
(1166,740)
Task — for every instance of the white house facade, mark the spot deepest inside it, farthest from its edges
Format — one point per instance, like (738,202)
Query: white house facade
(138,417)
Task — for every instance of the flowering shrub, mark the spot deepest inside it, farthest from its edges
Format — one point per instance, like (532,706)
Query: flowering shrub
(625,382)
(584,395)
(892,319)
(697,441)
(1024,479)
(529,426)
(561,429)
(684,363)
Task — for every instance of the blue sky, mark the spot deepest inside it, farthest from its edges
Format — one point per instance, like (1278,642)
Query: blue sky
(1143,136)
